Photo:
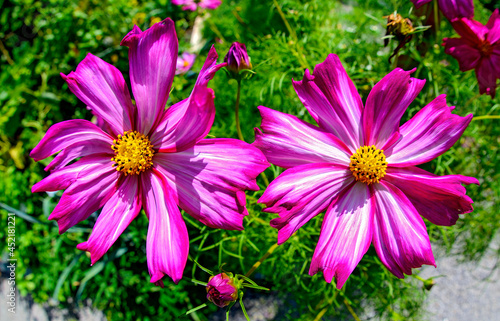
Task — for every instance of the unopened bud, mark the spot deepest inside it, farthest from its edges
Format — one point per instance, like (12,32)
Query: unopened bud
(237,58)
(221,290)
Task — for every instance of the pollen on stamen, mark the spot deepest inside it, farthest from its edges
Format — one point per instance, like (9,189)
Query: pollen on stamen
(133,153)
(368,164)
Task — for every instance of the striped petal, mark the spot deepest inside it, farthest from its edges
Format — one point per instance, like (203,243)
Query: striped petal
(288,141)
(440,199)
(152,58)
(385,105)
(102,88)
(345,236)
(302,192)
(399,235)
(430,133)
(167,245)
(85,195)
(69,134)
(333,101)
(121,209)
(209,179)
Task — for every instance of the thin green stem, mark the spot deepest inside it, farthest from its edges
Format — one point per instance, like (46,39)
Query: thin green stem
(436,20)
(292,32)
(259,262)
(197,308)
(351,310)
(237,111)
(486,117)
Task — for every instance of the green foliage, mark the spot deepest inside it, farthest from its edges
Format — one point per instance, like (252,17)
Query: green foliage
(40,39)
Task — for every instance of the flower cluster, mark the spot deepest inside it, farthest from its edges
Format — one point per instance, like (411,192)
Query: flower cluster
(359,166)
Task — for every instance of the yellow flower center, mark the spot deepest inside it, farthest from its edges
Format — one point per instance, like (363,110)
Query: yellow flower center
(368,164)
(133,153)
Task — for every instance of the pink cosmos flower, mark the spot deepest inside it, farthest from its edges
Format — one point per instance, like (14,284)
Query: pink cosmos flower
(360,166)
(184,63)
(150,158)
(193,4)
(479,48)
(221,290)
(451,9)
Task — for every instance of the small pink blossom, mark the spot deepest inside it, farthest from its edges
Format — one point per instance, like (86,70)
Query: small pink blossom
(184,63)
(192,5)
(359,165)
(452,9)
(478,49)
(144,156)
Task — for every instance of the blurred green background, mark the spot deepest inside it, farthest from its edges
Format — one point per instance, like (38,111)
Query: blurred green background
(40,39)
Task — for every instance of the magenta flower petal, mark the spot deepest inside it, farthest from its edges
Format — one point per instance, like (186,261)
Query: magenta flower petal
(486,77)
(186,4)
(494,26)
(419,3)
(350,214)
(333,101)
(211,188)
(85,196)
(121,209)
(395,92)
(79,149)
(209,4)
(431,132)
(453,9)
(458,48)
(67,134)
(288,141)
(302,192)
(101,86)
(167,245)
(190,120)
(399,235)
(63,178)
(440,199)
(153,57)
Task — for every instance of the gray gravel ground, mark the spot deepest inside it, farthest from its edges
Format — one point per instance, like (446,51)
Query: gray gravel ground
(467,291)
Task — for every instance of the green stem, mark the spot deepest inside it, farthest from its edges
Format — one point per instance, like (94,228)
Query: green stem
(237,110)
(292,32)
(196,309)
(259,262)
(486,117)
(436,20)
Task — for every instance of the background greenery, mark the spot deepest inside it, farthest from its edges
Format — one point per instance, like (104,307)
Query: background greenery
(40,39)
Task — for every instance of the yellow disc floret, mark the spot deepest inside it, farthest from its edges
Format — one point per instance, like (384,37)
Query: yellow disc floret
(133,153)
(368,164)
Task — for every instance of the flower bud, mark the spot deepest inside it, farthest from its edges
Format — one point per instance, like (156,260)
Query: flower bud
(221,290)
(237,58)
